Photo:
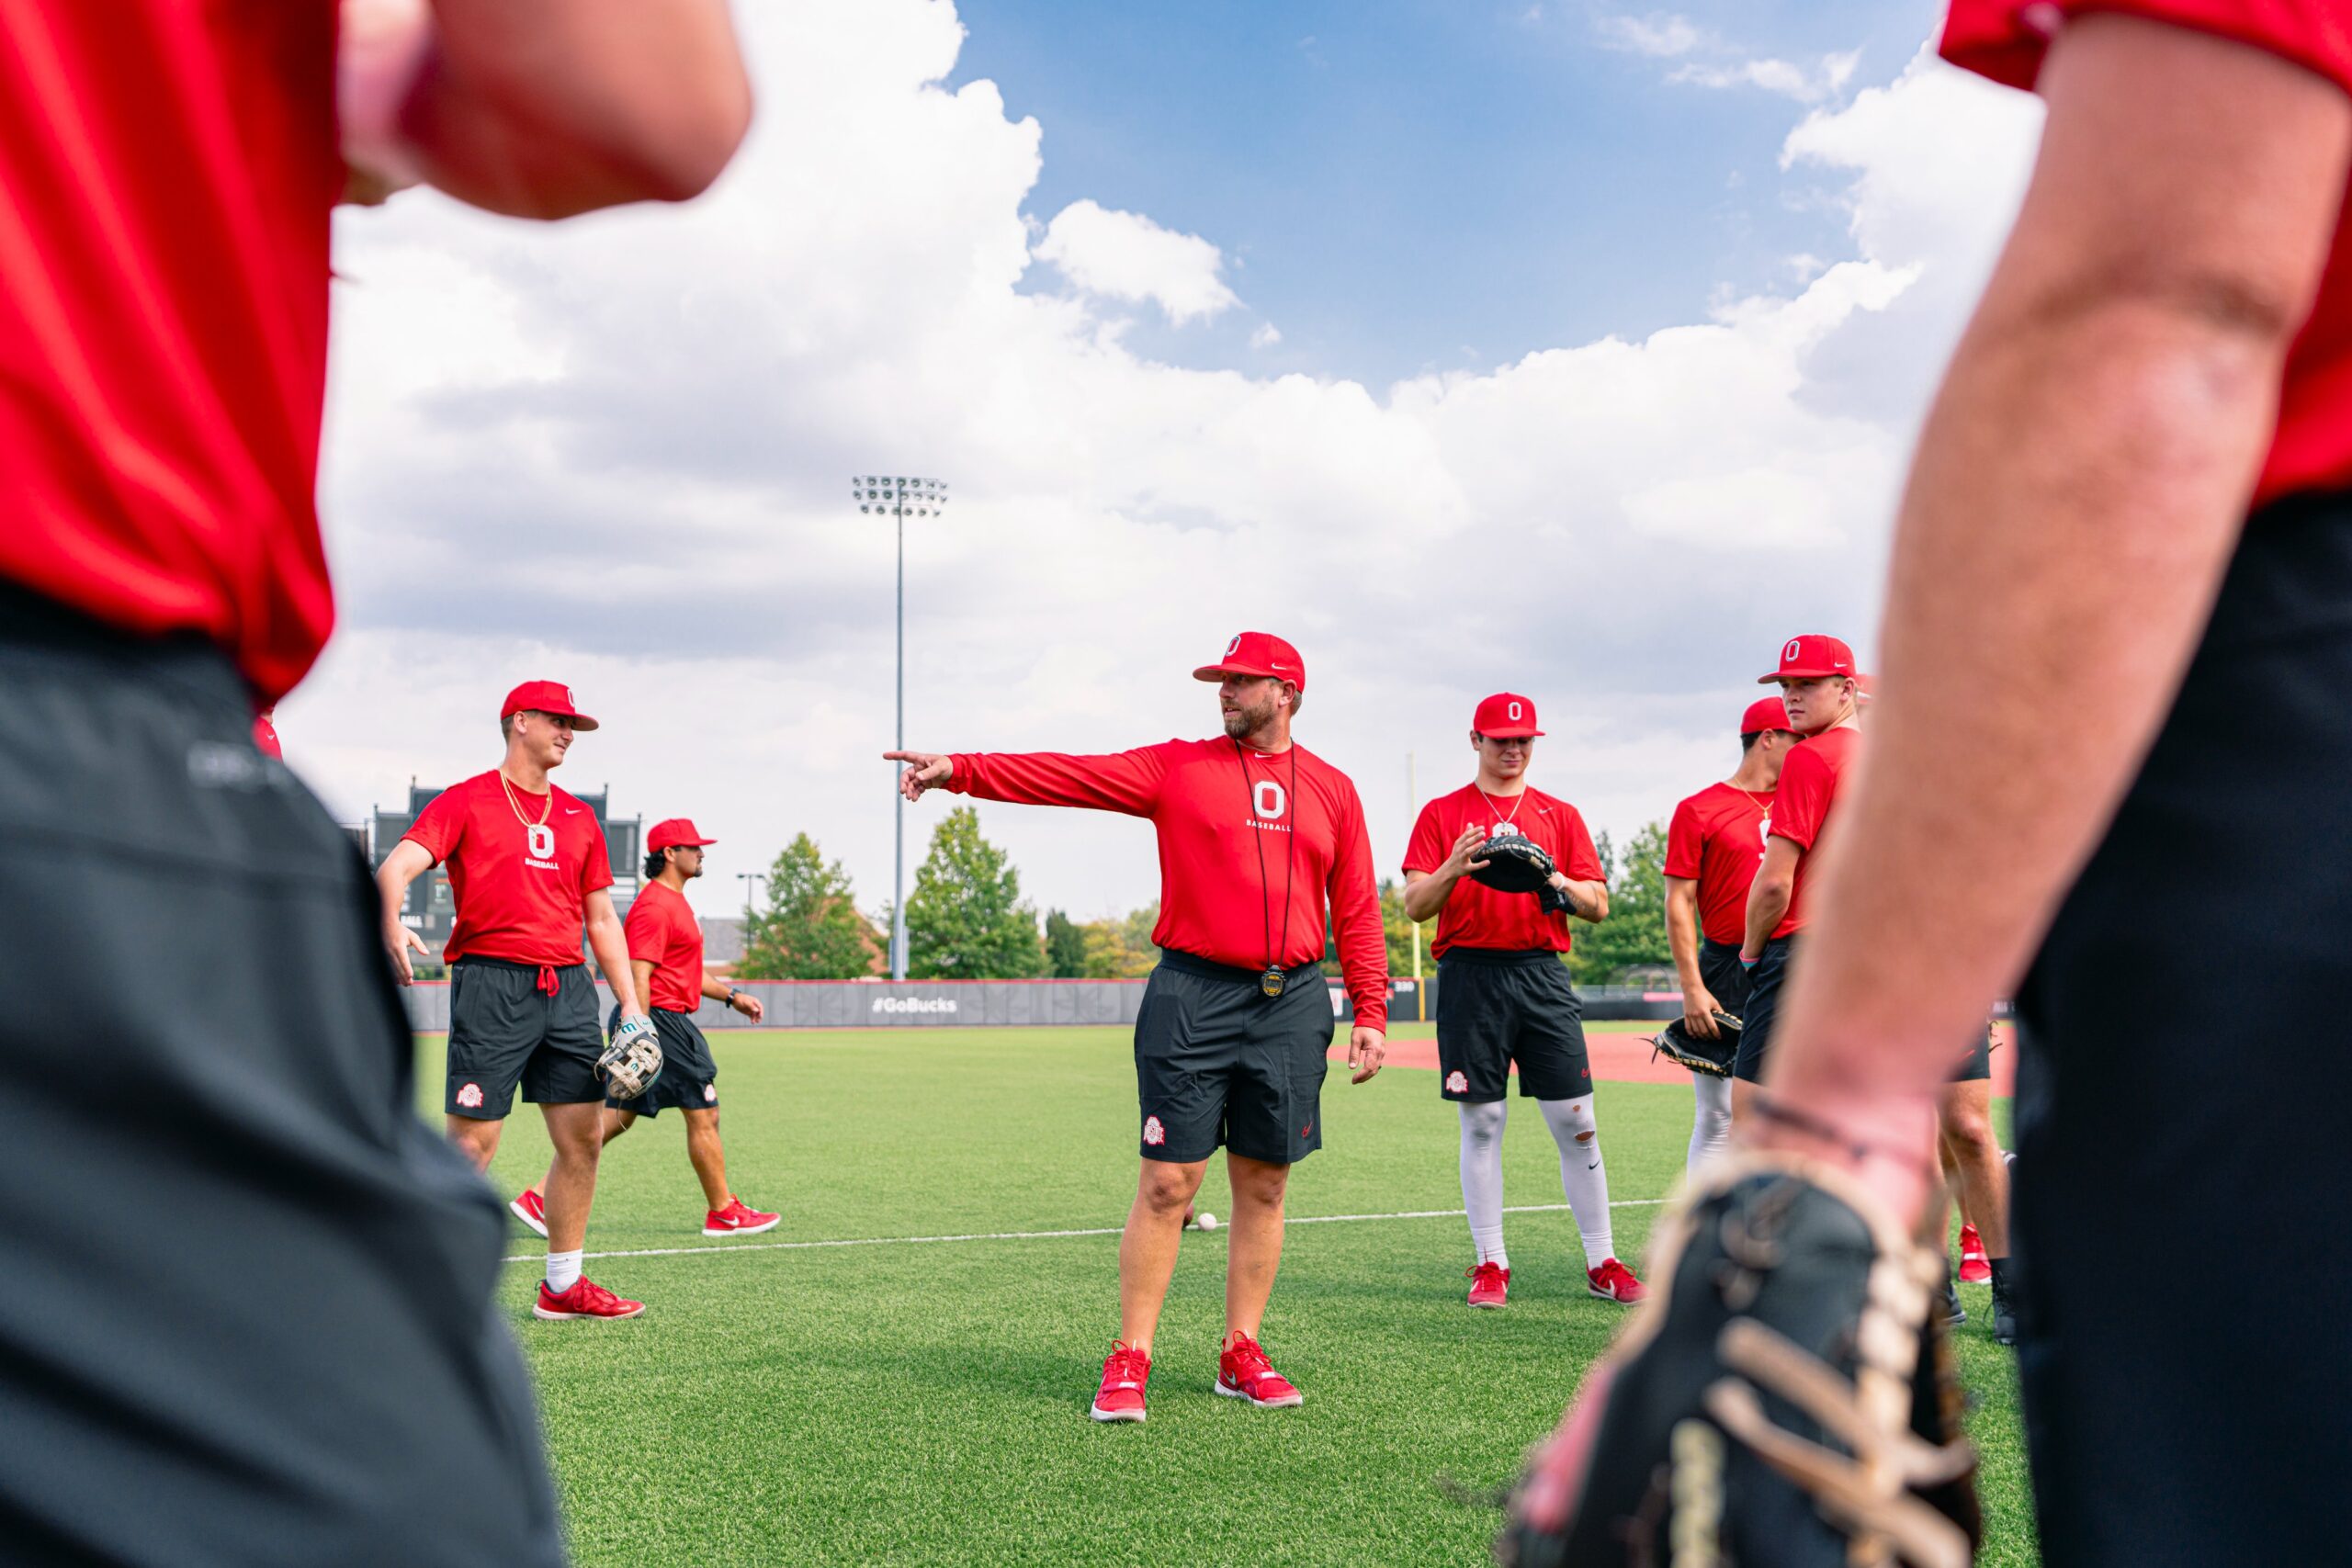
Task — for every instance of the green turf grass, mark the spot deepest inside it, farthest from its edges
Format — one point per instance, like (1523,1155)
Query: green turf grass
(926,1404)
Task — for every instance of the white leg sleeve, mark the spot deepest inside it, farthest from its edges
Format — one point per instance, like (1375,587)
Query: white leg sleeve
(1711,1124)
(1582,1176)
(1482,1176)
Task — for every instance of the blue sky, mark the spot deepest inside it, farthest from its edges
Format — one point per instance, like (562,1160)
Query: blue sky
(1404,185)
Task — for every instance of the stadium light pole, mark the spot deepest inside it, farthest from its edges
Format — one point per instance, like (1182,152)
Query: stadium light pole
(887,496)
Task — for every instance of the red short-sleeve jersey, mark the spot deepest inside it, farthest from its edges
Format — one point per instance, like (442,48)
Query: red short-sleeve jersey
(1475,915)
(663,931)
(167,173)
(2006,40)
(1810,780)
(521,881)
(1716,839)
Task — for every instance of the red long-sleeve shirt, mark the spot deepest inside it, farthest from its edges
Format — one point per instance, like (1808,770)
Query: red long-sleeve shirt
(1217,805)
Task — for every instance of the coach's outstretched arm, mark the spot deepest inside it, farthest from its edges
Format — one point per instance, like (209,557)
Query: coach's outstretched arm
(2076,496)
(541,108)
(1125,782)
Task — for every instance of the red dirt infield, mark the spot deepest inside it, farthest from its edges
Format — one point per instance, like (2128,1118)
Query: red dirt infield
(1620,1057)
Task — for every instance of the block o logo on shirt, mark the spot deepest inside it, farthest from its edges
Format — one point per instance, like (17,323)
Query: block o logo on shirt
(470,1096)
(541,840)
(1153,1133)
(1455,1083)
(1267,801)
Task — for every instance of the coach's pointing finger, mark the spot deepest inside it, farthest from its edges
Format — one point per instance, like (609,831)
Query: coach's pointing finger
(925,769)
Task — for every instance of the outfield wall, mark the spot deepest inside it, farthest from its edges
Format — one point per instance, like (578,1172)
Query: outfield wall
(930,1004)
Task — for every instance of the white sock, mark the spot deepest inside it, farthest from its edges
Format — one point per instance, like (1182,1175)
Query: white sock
(563,1270)
(1482,1176)
(1710,1123)
(1582,1176)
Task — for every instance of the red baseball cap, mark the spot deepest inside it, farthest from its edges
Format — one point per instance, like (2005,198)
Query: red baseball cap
(1257,653)
(545,696)
(676,832)
(1763,714)
(1506,715)
(1809,658)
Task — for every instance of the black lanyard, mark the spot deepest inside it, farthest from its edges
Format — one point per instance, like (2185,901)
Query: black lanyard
(1273,981)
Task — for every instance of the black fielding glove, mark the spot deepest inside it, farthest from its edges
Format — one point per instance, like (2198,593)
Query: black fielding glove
(1783,1397)
(1515,864)
(1684,1049)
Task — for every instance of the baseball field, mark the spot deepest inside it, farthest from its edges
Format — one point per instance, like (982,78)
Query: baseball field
(899,1374)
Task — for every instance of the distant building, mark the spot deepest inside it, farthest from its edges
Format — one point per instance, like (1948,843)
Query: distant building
(429,909)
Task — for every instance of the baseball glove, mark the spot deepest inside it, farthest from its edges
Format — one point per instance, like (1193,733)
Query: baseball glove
(1515,864)
(1684,1049)
(1783,1396)
(633,1060)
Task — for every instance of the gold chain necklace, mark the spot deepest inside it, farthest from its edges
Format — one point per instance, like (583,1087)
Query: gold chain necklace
(516,805)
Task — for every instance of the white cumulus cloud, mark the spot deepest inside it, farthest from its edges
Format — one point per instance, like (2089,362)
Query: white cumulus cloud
(615,452)
(1125,256)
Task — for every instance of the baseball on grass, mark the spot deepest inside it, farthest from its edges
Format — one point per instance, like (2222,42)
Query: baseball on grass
(1207,1220)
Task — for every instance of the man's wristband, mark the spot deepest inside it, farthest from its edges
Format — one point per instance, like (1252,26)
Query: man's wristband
(732,993)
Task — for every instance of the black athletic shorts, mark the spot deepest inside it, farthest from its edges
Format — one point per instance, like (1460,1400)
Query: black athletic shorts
(245,1295)
(2163,1429)
(506,1027)
(1494,1008)
(689,1080)
(1218,1062)
(1766,983)
(1725,976)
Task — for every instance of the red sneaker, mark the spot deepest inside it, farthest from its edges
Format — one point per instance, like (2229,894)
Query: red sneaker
(1243,1373)
(586,1299)
(1612,1282)
(1125,1372)
(1489,1284)
(529,1208)
(739,1218)
(1975,1268)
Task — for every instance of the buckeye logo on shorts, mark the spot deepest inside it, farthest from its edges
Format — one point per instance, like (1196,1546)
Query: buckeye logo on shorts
(470,1095)
(1153,1133)
(1455,1083)
(711,1094)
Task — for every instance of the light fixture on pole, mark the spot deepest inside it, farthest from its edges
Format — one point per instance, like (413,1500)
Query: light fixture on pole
(900,497)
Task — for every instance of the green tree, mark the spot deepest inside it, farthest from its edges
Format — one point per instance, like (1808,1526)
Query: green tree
(811,930)
(1399,927)
(1634,934)
(1121,949)
(1065,946)
(965,919)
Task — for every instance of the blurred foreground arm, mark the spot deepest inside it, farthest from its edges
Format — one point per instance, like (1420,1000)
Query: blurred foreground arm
(2076,495)
(541,108)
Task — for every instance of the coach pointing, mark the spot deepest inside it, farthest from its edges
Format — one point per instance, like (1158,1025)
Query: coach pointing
(1258,837)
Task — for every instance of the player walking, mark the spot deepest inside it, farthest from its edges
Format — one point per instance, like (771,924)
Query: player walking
(2119,636)
(1820,695)
(665,962)
(528,870)
(1714,841)
(1259,839)
(1503,994)
(289,1359)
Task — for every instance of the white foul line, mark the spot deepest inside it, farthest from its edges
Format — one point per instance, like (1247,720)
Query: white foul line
(1057,1236)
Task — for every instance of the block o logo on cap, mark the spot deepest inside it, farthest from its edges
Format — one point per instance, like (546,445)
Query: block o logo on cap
(1789,654)
(1516,711)
(1231,647)
(1153,1133)
(470,1095)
